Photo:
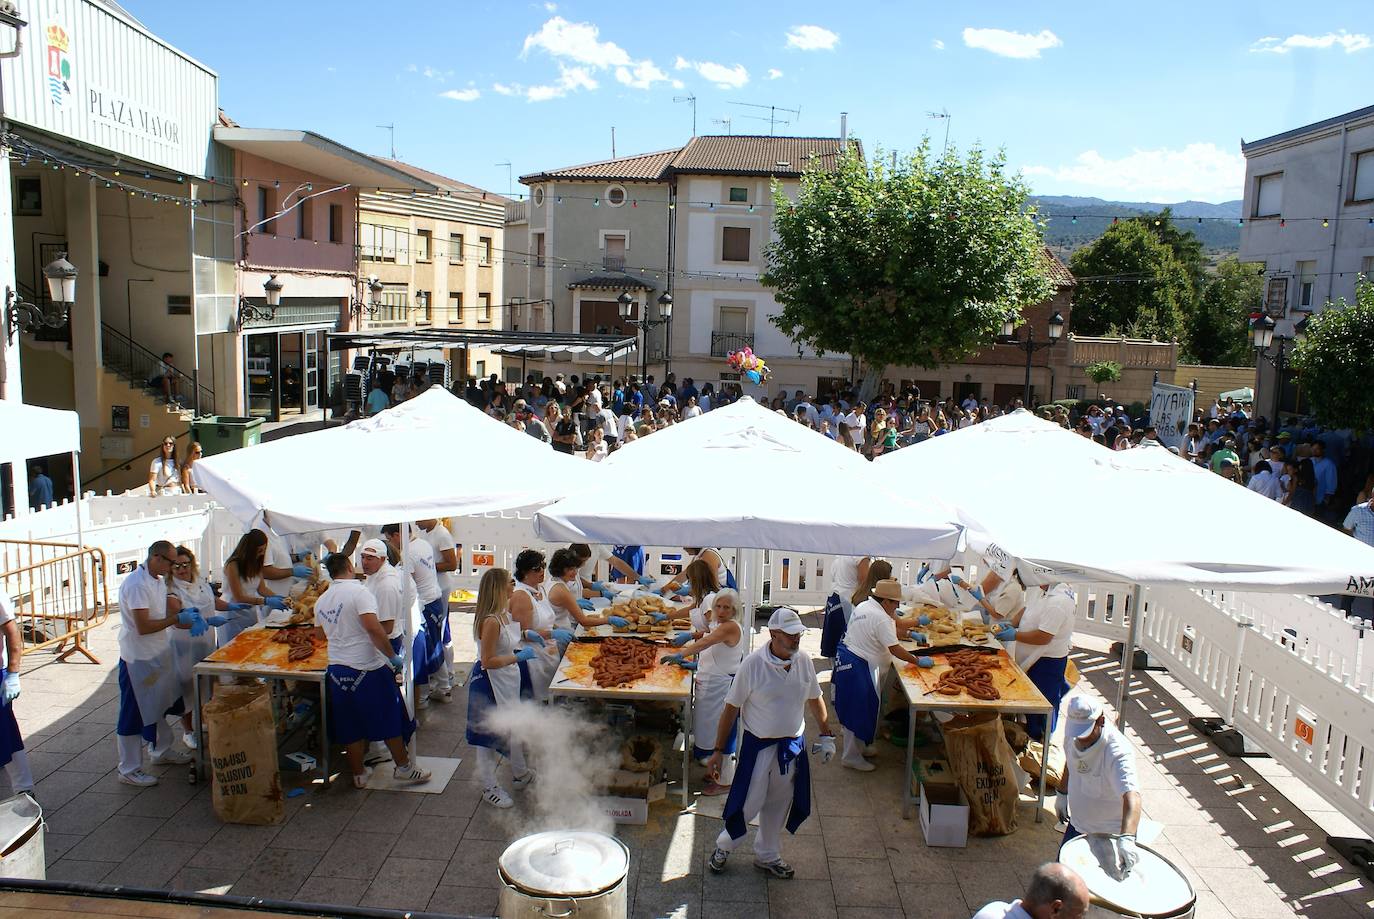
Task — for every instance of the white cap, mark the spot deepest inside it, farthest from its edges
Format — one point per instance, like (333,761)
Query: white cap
(1083,712)
(785,619)
(375,547)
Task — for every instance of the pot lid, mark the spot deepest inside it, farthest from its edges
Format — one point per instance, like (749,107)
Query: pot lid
(565,863)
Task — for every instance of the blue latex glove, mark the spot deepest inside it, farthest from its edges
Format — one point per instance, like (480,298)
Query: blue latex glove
(301,570)
(585,604)
(977,593)
(919,637)
(524,654)
(684,591)
(923,619)
(681,661)
(618,621)
(534,637)
(955,579)
(924,661)
(658,617)
(646,581)
(236,607)
(216,621)
(11,689)
(188,616)
(275,603)
(397,662)
(199,627)
(1005,633)
(562,636)
(681,639)
(987,619)
(599,586)
(608,594)
(923,573)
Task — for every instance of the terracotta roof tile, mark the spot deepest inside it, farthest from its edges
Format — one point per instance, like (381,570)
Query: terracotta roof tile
(611,282)
(646,167)
(1059,272)
(443,182)
(758,155)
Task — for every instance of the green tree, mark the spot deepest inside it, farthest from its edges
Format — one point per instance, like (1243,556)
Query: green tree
(915,265)
(1131,283)
(1337,363)
(1219,328)
(1187,248)
(1103,372)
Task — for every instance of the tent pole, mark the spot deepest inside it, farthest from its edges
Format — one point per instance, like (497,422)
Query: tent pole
(408,639)
(80,536)
(1128,656)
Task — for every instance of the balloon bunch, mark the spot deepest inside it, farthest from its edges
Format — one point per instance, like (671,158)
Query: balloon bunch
(746,362)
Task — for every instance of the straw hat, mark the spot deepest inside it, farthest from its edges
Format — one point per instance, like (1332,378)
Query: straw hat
(888,589)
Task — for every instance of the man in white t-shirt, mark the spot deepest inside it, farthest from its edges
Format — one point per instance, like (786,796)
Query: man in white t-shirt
(857,424)
(1055,892)
(847,572)
(13,756)
(365,704)
(384,583)
(1099,795)
(430,674)
(446,569)
(772,690)
(1043,633)
(149,688)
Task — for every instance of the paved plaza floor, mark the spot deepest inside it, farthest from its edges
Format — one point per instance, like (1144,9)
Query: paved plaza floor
(1249,838)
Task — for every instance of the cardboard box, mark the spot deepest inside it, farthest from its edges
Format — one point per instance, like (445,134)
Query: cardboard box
(944,815)
(632,811)
(931,772)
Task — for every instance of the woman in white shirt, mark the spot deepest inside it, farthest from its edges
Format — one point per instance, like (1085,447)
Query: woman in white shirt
(164,474)
(530,607)
(500,679)
(703,584)
(596,445)
(192,591)
(719,652)
(188,469)
(691,409)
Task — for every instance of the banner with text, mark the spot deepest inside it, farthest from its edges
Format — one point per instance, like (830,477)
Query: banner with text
(1171,410)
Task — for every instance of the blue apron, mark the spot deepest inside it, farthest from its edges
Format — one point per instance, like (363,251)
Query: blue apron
(436,622)
(482,700)
(856,698)
(1048,676)
(365,705)
(834,623)
(10,739)
(790,750)
(630,555)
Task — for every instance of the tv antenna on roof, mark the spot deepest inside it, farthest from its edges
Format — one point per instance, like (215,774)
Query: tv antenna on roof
(942,114)
(725,121)
(392,128)
(510,186)
(773,111)
(691,99)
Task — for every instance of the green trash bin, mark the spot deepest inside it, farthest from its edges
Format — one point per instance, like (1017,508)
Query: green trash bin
(222,433)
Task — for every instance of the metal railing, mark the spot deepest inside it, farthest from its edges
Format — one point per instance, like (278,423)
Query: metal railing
(722,343)
(613,262)
(137,365)
(59,592)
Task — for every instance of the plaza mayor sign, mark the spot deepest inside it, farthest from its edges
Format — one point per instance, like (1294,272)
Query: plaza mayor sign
(113,108)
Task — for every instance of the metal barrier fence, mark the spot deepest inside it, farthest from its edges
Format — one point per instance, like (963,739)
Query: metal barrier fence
(59,594)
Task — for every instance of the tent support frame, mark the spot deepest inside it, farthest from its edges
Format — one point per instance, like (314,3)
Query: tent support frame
(1128,656)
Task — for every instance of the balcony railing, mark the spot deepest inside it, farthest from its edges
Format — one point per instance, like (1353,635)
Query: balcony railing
(1128,352)
(722,343)
(613,262)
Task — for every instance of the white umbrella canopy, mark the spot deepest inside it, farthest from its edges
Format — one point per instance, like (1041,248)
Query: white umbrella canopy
(748,478)
(433,456)
(1079,511)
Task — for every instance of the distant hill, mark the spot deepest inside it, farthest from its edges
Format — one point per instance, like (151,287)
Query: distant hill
(1095,215)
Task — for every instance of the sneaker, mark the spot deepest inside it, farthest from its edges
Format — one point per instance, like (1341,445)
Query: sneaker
(138,778)
(717,861)
(442,696)
(862,765)
(711,789)
(376,754)
(189,738)
(778,869)
(171,757)
(496,796)
(521,782)
(870,751)
(360,778)
(410,773)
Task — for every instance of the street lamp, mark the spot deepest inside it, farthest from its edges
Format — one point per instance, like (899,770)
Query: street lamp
(665,310)
(1262,336)
(357,307)
(20,315)
(251,312)
(1029,344)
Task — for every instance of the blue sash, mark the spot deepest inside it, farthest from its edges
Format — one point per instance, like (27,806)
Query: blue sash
(730,580)
(1048,676)
(790,749)
(630,555)
(833,625)
(10,738)
(856,698)
(436,619)
(482,701)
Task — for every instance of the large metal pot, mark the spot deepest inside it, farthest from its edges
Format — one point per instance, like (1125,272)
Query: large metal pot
(564,874)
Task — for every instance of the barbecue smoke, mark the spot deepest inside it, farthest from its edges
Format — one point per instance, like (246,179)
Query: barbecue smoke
(574,757)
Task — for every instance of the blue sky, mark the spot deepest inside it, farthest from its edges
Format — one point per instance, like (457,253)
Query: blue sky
(1148,102)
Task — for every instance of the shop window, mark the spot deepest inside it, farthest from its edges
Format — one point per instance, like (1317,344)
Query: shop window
(28,196)
(336,224)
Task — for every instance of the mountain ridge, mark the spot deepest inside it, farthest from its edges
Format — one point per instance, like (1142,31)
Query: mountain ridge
(1218,230)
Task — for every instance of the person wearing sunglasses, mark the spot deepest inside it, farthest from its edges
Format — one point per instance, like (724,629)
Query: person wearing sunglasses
(530,607)
(188,589)
(188,470)
(148,685)
(164,474)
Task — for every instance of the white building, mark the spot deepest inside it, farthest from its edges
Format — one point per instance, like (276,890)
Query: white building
(1309,220)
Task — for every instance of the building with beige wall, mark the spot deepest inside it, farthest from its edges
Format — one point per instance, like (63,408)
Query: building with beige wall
(441,258)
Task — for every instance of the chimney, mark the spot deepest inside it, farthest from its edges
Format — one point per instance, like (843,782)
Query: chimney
(844,129)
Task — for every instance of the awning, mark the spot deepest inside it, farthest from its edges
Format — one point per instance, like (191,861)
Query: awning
(318,155)
(493,339)
(600,354)
(43,430)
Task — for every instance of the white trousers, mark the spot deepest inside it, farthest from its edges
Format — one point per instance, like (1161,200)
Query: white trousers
(20,775)
(130,747)
(488,759)
(853,747)
(769,799)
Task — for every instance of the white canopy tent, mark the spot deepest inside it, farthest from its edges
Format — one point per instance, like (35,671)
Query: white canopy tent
(44,430)
(745,477)
(434,456)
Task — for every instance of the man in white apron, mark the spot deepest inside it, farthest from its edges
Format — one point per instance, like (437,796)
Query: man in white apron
(419,565)
(148,685)
(771,692)
(13,756)
(445,549)
(1043,633)
(1099,795)
(862,661)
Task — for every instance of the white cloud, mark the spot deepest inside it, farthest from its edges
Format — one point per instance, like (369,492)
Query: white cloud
(724,77)
(937,44)
(678,84)
(642,75)
(508,89)
(811,38)
(1203,171)
(1011,44)
(551,7)
(570,79)
(1351,42)
(471,94)
(774,73)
